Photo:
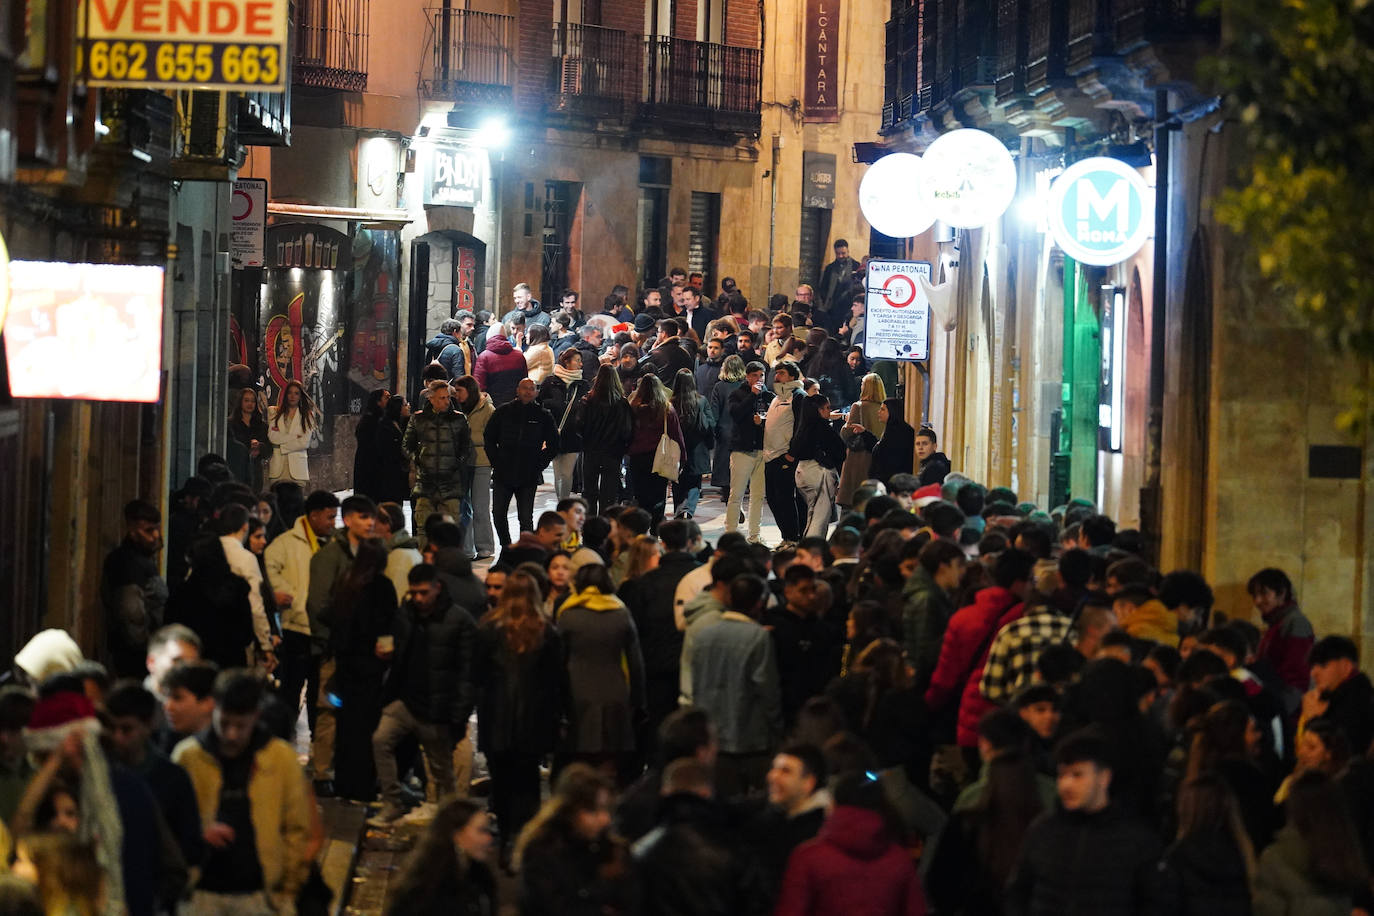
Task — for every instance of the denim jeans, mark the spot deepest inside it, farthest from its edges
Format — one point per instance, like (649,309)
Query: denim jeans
(686,493)
(482,539)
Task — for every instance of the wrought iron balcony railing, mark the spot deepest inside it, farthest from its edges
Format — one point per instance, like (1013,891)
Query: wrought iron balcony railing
(331,44)
(473,56)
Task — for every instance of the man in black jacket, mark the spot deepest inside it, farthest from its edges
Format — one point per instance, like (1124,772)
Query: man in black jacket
(667,356)
(429,693)
(694,862)
(650,599)
(1341,692)
(1090,856)
(747,406)
(132,590)
(521,439)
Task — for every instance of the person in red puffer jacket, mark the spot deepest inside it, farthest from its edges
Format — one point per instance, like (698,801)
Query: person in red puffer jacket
(857,865)
(969,636)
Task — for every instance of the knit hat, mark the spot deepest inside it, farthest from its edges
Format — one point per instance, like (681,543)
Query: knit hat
(57,716)
(925,496)
(1002,495)
(643,323)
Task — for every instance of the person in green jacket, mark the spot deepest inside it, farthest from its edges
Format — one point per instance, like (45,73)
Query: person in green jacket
(927,605)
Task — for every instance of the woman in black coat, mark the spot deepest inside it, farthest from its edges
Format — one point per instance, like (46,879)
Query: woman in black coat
(895,453)
(698,423)
(393,465)
(213,602)
(519,672)
(363,609)
(1207,870)
(731,380)
(448,874)
(366,479)
(560,394)
(605,425)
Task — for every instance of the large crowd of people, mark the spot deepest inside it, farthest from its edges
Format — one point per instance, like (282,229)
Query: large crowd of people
(929,697)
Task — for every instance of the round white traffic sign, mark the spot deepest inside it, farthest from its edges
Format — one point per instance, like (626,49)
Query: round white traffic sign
(895,198)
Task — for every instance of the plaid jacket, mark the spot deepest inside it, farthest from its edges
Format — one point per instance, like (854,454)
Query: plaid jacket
(1011,661)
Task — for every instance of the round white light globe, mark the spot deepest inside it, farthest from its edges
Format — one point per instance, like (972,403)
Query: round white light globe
(972,178)
(894,198)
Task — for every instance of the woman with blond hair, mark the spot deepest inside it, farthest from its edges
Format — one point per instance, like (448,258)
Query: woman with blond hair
(518,669)
(291,429)
(863,415)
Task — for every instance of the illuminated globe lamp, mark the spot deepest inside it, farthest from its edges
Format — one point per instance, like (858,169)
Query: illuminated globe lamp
(972,178)
(894,196)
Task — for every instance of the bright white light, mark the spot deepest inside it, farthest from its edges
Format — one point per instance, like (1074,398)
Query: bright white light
(972,177)
(493,133)
(1031,211)
(895,198)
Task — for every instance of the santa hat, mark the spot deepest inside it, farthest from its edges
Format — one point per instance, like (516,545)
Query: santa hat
(56,717)
(925,496)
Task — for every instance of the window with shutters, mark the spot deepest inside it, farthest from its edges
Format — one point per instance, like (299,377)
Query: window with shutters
(815,231)
(702,234)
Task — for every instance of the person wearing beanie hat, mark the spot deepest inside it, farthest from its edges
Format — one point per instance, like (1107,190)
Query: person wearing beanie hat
(1002,495)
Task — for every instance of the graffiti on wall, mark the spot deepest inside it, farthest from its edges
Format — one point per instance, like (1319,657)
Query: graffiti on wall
(372,313)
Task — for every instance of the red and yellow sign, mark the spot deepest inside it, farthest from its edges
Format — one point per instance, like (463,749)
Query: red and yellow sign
(237,45)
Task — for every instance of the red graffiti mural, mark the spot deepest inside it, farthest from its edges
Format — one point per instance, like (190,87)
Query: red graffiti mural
(465,296)
(284,343)
(373,347)
(238,343)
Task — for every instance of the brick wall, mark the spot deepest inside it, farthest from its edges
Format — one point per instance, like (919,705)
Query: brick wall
(626,15)
(534,47)
(685,19)
(741,24)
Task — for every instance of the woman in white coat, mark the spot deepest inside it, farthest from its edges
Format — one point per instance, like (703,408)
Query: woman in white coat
(290,428)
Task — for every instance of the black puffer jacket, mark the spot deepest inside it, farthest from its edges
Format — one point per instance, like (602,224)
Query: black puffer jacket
(605,427)
(934,469)
(1072,864)
(699,433)
(745,434)
(448,639)
(521,440)
(665,360)
(440,444)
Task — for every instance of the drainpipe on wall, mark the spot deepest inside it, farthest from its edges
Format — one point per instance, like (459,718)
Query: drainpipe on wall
(1152,493)
(773,208)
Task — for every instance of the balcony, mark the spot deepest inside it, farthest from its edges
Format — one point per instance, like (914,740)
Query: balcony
(1090,35)
(596,72)
(654,81)
(701,83)
(473,57)
(331,44)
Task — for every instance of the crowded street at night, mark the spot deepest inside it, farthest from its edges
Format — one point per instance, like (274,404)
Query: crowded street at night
(821,458)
